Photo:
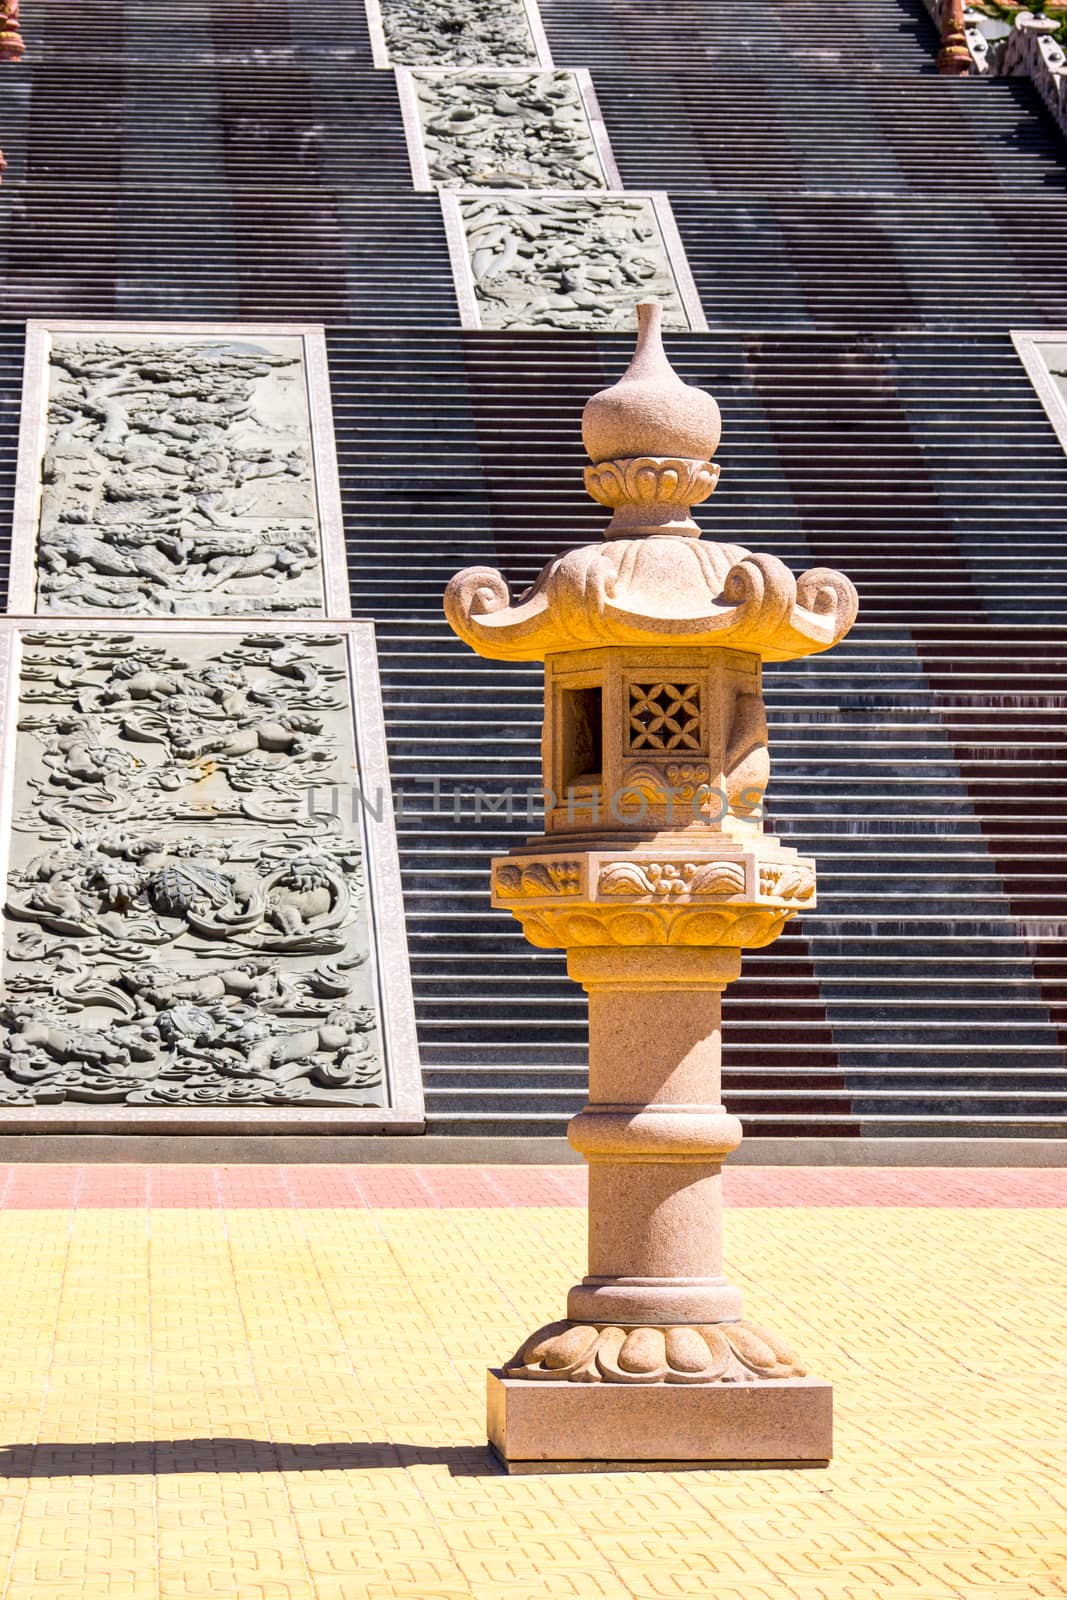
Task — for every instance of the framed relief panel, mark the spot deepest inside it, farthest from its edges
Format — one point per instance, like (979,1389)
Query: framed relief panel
(203,923)
(177,469)
(503,129)
(457,33)
(1044,355)
(556,259)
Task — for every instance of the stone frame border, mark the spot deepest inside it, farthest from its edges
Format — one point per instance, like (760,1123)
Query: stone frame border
(1026,341)
(380,48)
(420,171)
(463,279)
(22,591)
(403,1112)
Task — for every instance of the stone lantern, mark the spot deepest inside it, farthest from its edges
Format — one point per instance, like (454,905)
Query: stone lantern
(653,873)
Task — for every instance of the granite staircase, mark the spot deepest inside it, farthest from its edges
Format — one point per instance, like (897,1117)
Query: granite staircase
(863,234)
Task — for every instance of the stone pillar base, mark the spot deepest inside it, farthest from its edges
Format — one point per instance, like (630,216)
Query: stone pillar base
(556,1426)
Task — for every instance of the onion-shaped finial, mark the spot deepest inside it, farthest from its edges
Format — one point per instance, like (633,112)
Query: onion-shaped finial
(650,411)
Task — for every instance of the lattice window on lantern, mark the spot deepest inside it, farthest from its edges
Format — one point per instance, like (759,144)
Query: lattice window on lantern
(665,716)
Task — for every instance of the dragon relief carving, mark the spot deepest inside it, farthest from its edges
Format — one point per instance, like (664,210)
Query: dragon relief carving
(179,931)
(177,478)
(567,262)
(458,33)
(502,131)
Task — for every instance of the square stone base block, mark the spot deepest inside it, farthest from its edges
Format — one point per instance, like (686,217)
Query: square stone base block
(541,1426)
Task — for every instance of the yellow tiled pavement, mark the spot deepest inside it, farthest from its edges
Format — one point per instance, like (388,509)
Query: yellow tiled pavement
(313,1383)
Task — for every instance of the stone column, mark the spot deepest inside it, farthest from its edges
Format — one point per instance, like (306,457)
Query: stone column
(653,873)
(654,1134)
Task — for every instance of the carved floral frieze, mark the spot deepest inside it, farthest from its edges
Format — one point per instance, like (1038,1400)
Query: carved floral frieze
(179,930)
(794,881)
(672,880)
(178,477)
(675,922)
(537,878)
(609,898)
(658,780)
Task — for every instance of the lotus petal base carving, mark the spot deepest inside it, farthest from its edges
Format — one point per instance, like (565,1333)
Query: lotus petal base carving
(722,1352)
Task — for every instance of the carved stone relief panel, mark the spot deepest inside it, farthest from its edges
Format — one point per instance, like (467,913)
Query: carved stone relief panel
(183,926)
(175,473)
(505,130)
(1044,355)
(456,33)
(567,261)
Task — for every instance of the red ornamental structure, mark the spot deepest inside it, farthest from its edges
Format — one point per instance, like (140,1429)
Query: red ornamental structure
(11,45)
(953,58)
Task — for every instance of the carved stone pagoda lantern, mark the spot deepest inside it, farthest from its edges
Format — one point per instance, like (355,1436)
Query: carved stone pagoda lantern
(653,873)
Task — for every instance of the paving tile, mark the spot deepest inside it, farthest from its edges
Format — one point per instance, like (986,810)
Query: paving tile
(268,1384)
